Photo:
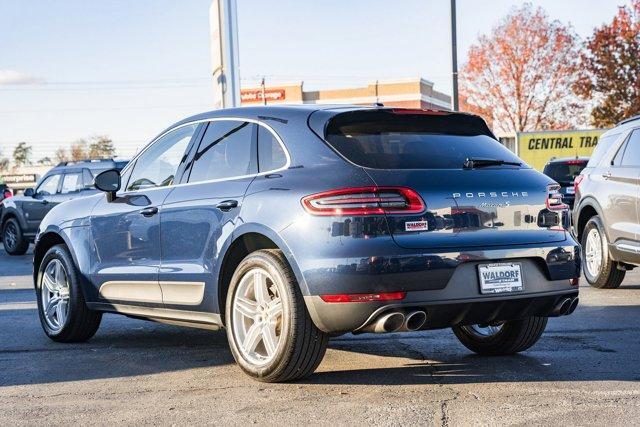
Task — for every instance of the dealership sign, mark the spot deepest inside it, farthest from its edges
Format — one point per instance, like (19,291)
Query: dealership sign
(27,178)
(249,96)
(537,148)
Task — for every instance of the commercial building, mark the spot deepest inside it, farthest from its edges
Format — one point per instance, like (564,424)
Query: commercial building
(408,93)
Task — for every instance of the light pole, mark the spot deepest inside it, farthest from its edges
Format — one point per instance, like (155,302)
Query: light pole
(454,55)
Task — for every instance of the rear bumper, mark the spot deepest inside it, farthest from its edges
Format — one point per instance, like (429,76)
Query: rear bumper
(445,285)
(353,317)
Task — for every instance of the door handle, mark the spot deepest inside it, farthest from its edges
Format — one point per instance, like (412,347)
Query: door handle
(149,212)
(227,205)
(606,175)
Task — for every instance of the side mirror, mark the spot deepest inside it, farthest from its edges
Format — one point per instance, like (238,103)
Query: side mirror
(29,192)
(109,182)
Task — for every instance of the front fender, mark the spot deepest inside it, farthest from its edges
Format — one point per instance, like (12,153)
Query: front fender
(77,240)
(9,208)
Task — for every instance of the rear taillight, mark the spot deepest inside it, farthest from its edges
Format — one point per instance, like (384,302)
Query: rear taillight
(554,198)
(576,182)
(7,194)
(382,296)
(364,201)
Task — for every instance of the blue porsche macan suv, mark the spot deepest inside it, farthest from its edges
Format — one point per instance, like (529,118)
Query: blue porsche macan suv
(288,225)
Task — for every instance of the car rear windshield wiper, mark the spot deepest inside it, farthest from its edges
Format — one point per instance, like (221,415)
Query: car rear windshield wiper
(472,163)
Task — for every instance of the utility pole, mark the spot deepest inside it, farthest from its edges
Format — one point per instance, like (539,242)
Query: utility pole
(264,98)
(454,55)
(223,24)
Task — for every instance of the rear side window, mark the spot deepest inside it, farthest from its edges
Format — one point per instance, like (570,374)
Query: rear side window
(631,156)
(565,172)
(227,150)
(386,140)
(601,149)
(271,156)
(72,182)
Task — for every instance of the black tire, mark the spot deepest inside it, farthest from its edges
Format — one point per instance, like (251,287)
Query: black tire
(609,276)
(513,337)
(301,344)
(81,323)
(12,238)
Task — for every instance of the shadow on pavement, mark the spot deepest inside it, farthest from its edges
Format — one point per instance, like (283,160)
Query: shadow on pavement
(598,343)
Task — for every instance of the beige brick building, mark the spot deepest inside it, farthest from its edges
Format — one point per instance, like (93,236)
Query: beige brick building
(409,93)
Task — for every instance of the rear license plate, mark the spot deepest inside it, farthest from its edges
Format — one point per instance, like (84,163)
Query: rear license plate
(499,278)
(570,190)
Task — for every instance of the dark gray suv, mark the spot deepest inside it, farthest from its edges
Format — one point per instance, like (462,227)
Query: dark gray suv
(605,214)
(20,216)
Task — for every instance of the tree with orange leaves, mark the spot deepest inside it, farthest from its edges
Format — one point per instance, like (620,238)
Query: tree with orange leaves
(523,73)
(610,74)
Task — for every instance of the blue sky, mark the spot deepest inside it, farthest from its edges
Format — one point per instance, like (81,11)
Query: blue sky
(71,69)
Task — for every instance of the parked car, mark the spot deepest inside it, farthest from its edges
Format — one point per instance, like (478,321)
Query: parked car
(288,225)
(21,215)
(5,192)
(605,215)
(564,171)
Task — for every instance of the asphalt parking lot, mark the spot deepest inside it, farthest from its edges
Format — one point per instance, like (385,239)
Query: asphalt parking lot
(585,370)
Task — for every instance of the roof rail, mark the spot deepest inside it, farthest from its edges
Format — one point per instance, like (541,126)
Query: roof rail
(77,162)
(630,119)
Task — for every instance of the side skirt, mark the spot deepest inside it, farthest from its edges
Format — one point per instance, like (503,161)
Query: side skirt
(192,319)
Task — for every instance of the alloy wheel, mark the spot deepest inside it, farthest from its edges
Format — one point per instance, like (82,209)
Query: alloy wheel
(483,331)
(54,290)
(257,316)
(10,235)
(593,252)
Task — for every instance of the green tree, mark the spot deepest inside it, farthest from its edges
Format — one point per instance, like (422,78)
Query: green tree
(101,147)
(610,75)
(22,154)
(4,162)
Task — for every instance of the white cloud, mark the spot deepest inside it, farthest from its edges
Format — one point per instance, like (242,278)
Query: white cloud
(12,77)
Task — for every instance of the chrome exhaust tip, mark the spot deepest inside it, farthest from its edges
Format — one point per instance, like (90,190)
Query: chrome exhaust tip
(414,320)
(574,305)
(562,307)
(389,322)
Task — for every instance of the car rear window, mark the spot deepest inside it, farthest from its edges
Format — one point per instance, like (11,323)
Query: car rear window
(400,139)
(565,172)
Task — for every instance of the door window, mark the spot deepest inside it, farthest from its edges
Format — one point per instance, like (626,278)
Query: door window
(227,150)
(271,156)
(631,156)
(49,186)
(72,182)
(158,164)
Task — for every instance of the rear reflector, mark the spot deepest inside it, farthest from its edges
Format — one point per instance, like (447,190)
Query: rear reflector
(364,201)
(384,296)
(554,198)
(575,281)
(576,183)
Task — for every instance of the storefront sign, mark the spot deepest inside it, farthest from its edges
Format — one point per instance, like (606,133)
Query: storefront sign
(537,148)
(250,96)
